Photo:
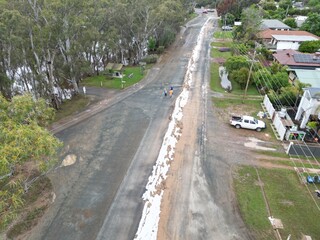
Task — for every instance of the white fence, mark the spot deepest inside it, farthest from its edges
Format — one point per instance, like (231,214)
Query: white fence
(268,105)
(280,128)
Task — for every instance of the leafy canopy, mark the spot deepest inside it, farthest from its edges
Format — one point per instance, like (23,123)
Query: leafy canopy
(24,140)
(310,46)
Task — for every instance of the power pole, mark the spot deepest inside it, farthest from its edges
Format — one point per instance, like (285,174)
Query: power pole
(249,75)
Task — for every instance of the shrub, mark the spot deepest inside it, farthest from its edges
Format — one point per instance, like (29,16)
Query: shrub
(153,58)
(160,49)
(152,44)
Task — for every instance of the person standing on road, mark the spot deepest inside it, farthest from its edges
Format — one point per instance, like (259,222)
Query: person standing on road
(165,93)
(171,92)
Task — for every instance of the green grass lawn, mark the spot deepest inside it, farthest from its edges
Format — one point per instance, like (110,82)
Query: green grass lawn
(289,200)
(223,34)
(222,44)
(215,79)
(236,89)
(215,84)
(215,53)
(251,203)
(115,83)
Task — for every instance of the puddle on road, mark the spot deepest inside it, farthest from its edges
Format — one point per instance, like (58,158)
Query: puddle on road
(69,160)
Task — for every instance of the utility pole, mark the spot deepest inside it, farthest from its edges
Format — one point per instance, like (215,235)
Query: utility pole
(249,75)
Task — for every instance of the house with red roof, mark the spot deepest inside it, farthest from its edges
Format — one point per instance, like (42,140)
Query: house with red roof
(266,35)
(279,40)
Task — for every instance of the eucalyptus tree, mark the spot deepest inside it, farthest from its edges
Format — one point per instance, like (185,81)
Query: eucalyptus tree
(46,47)
(27,150)
(11,27)
(251,19)
(171,15)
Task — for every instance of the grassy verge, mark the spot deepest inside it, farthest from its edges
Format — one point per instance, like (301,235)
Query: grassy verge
(69,107)
(273,154)
(288,200)
(294,163)
(132,75)
(215,79)
(284,155)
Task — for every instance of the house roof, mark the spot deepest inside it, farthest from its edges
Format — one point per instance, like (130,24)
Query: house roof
(114,66)
(267,34)
(291,57)
(311,77)
(294,38)
(273,23)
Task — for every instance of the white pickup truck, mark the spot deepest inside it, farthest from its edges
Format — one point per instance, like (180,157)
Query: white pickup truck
(247,122)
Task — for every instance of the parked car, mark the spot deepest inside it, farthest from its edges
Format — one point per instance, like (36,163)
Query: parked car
(247,122)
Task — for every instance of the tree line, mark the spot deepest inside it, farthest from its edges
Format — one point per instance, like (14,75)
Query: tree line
(47,47)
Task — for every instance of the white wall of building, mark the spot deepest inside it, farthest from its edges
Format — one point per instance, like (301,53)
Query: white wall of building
(287,45)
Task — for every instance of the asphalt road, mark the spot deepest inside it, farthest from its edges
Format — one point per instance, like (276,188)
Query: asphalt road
(99,196)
